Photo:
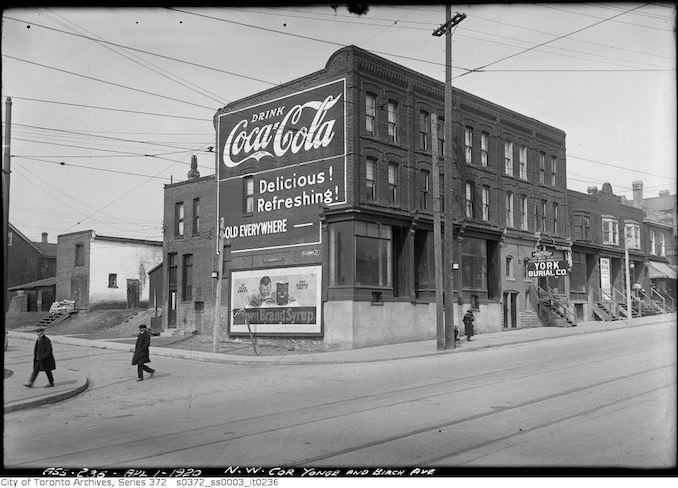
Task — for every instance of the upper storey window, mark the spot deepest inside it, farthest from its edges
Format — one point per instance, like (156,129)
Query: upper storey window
(468,144)
(424,131)
(370,113)
(484,147)
(508,158)
(392,113)
(610,231)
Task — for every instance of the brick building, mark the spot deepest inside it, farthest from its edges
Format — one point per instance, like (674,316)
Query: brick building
(29,264)
(332,239)
(99,271)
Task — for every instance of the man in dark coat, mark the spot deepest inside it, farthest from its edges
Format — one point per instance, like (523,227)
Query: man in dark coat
(140,357)
(43,359)
(468,324)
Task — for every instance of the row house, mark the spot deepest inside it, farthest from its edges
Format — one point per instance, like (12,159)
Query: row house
(325,188)
(606,228)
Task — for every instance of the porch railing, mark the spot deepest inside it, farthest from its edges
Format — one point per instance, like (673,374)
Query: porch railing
(558,303)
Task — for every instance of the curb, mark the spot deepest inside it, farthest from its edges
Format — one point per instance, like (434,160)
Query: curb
(22,404)
(282,359)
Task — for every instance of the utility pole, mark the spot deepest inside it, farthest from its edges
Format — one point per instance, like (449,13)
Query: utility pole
(629,306)
(6,171)
(450,160)
(437,237)
(223,255)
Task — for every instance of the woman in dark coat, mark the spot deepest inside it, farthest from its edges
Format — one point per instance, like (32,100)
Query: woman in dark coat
(43,359)
(468,324)
(140,357)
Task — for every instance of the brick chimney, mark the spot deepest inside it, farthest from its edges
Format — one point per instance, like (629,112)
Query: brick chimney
(637,194)
(193,173)
(44,237)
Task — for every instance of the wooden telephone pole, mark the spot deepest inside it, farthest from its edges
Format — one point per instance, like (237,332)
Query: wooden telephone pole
(450,207)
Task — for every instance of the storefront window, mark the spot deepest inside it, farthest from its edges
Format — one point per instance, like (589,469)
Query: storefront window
(373,264)
(424,266)
(474,263)
(341,253)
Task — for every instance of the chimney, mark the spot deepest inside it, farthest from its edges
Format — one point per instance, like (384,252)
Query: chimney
(44,237)
(193,173)
(592,190)
(637,194)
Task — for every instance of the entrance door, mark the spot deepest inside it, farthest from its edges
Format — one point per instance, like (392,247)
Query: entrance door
(79,291)
(172,312)
(133,294)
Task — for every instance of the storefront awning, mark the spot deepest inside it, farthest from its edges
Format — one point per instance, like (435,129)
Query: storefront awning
(661,271)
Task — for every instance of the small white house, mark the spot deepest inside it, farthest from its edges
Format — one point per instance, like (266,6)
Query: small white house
(103,271)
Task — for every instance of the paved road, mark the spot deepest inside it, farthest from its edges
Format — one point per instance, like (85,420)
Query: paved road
(596,400)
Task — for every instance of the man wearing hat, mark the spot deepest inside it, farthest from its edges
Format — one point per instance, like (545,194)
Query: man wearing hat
(140,357)
(43,359)
(468,324)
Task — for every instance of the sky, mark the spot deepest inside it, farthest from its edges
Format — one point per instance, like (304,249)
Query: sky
(108,105)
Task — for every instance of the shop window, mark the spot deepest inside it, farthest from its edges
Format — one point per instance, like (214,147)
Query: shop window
(373,265)
(341,253)
(474,263)
(424,260)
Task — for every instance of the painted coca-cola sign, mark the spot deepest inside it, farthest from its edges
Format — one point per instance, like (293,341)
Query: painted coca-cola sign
(303,127)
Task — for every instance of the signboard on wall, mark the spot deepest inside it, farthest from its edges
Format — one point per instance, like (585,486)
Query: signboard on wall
(605,285)
(278,162)
(547,267)
(276,301)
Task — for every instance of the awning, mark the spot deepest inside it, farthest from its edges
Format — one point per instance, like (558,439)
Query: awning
(660,271)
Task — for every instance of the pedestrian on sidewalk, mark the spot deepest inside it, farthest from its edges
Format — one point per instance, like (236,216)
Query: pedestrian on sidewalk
(468,324)
(43,359)
(141,357)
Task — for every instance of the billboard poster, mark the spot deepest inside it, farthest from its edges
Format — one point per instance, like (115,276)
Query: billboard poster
(276,301)
(605,285)
(278,163)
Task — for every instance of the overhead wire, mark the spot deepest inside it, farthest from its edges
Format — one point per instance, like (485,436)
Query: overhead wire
(143,63)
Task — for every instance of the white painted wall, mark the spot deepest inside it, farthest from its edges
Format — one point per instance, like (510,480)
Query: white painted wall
(127,260)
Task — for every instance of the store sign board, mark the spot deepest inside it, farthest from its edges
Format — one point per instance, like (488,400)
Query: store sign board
(278,163)
(276,301)
(547,268)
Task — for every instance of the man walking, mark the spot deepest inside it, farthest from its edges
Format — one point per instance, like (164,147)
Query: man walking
(468,324)
(140,357)
(43,359)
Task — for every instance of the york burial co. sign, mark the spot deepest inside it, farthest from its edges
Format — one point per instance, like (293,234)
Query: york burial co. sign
(278,162)
(547,267)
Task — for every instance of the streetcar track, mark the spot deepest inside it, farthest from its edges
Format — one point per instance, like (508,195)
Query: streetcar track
(469,418)
(536,427)
(372,397)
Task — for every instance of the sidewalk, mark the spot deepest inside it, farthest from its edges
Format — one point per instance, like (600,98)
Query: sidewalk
(70,383)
